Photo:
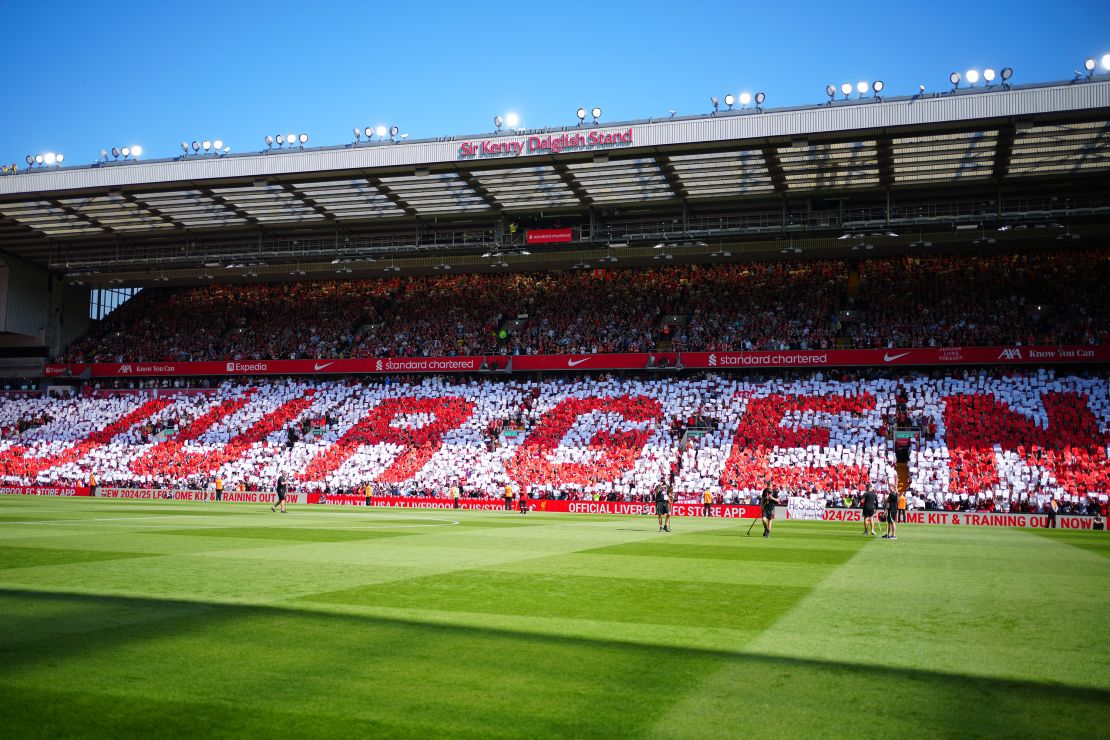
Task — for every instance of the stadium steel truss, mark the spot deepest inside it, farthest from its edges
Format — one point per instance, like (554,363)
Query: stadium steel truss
(955,169)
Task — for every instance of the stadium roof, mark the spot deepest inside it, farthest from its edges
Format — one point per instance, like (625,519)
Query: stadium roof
(438,196)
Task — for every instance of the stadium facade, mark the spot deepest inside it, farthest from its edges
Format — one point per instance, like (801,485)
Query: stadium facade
(986,168)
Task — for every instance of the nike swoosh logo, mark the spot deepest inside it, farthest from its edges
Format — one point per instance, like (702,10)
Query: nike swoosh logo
(575,363)
(321,365)
(891,358)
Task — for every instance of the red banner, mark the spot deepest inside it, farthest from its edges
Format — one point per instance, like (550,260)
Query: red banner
(605,361)
(896,357)
(614,361)
(44,490)
(280,367)
(725,511)
(997,519)
(250,497)
(722,511)
(549,236)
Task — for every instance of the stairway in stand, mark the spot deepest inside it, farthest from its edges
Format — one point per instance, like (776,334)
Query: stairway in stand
(903,470)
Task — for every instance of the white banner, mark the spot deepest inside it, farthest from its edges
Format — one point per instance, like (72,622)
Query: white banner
(799,507)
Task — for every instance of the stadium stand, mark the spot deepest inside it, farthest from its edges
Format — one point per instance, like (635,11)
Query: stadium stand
(992,441)
(1046,297)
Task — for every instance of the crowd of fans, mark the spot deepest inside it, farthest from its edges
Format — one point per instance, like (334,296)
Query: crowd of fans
(909,301)
(999,442)
(983,300)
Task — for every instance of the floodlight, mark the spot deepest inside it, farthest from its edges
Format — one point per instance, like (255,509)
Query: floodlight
(1090,64)
(279,139)
(290,139)
(207,145)
(512,120)
(196,145)
(760,97)
(358,134)
(862,87)
(126,152)
(136,151)
(303,138)
(184,148)
(393,131)
(920,89)
(830,90)
(227,149)
(269,141)
(38,159)
(878,86)
(104,152)
(714,101)
(380,131)
(1106,61)
(745,98)
(49,158)
(730,99)
(988,75)
(1007,73)
(498,121)
(217,144)
(954,78)
(581,114)
(596,113)
(846,88)
(972,76)
(60,157)
(116,152)
(30,159)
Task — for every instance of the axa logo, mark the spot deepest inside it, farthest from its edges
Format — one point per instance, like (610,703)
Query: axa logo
(1013,353)
(378,366)
(124,369)
(712,360)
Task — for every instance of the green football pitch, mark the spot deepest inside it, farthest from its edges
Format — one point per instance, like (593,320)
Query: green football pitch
(152,619)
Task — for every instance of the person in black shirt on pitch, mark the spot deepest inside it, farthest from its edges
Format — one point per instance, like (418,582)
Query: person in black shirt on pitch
(663,507)
(282,490)
(891,515)
(870,503)
(767,502)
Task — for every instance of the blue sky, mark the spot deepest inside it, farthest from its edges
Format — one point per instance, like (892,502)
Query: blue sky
(82,76)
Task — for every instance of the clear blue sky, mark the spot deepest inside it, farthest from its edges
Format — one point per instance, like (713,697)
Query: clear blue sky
(81,76)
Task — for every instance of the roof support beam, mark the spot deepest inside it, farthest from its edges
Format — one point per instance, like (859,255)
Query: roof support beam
(885,156)
(165,216)
(307,201)
(774,168)
(387,192)
(572,183)
(480,189)
(231,207)
(1003,150)
(74,212)
(670,174)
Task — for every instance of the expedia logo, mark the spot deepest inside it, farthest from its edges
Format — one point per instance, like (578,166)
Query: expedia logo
(124,369)
(231,367)
(712,360)
(1013,353)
